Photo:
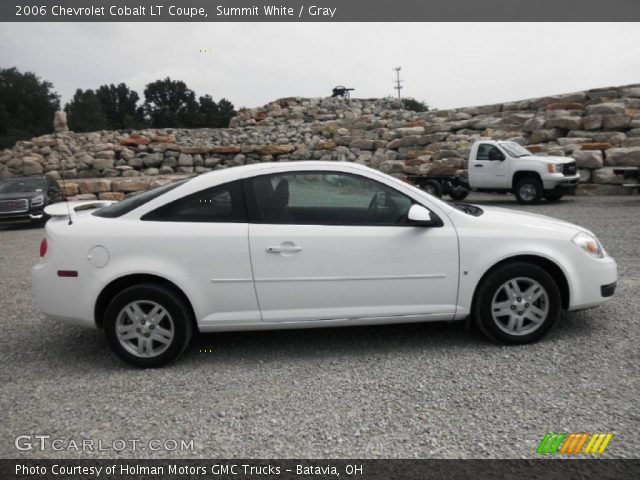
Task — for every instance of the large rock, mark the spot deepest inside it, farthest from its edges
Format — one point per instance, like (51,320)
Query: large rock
(361,144)
(130,184)
(185,160)
(103,163)
(94,185)
(568,123)
(592,122)
(588,159)
(615,122)
(114,196)
(31,166)
(60,122)
(607,175)
(606,109)
(623,157)
(271,149)
(545,135)
(153,160)
(135,140)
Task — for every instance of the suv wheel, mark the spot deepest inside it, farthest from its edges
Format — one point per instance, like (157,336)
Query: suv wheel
(517,303)
(148,325)
(528,191)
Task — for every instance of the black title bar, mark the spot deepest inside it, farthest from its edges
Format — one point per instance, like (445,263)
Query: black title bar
(319,10)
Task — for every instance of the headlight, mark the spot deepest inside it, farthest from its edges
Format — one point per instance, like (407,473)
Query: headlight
(589,244)
(554,167)
(37,200)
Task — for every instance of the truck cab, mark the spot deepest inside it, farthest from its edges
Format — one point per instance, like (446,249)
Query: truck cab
(505,166)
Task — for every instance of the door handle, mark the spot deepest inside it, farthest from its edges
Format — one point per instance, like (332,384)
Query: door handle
(477,165)
(284,249)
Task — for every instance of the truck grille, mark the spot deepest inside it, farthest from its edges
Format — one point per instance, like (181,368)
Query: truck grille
(569,169)
(14,206)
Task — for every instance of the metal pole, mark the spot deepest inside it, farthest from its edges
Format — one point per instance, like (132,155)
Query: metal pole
(398,86)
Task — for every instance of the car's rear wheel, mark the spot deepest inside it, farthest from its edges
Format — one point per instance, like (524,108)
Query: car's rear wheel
(517,303)
(148,325)
(528,191)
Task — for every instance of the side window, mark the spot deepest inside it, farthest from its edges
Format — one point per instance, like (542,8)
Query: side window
(223,203)
(489,152)
(327,198)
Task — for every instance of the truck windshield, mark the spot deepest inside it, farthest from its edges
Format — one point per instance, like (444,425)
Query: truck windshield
(22,185)
(515,150)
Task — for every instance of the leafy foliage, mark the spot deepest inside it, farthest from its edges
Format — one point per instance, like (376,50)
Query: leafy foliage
(414,105)
(85,112)
(120,107)
(170,103)
(27,106)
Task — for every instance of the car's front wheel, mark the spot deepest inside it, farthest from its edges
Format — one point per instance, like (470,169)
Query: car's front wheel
(148,325)
(517,303)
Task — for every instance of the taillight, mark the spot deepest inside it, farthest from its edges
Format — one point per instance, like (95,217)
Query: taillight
(43,247)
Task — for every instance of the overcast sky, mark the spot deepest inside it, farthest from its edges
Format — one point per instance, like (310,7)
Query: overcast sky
(445,64)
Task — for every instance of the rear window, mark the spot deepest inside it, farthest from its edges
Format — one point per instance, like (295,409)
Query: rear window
(128,204)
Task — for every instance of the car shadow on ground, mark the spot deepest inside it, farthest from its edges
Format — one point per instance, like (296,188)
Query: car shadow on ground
(89,350)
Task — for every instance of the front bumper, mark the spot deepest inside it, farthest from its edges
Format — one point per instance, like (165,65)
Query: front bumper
(594,282)
(32,216)
(560,183)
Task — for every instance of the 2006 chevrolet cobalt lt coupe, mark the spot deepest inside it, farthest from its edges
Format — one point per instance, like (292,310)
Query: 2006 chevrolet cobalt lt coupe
(307,244)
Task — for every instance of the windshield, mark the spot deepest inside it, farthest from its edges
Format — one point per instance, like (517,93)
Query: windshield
(128,204)
(515,150)
(22,185)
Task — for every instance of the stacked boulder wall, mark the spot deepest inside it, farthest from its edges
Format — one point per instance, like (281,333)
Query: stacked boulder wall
(599,128)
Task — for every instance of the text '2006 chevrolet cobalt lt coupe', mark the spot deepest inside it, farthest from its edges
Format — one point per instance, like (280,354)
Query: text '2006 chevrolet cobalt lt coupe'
(307,244)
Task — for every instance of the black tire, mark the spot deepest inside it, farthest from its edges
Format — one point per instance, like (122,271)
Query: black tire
(552,196)
(530,185)
(432,187)
(458,193)
(492,285)
(179,316)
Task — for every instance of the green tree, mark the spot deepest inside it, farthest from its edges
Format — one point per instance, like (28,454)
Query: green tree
(27,106)
(85,112)
(216,115)
(414,105)
(170,103)
(226,112)
(120,106)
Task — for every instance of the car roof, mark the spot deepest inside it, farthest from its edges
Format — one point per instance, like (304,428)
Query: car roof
(244,171)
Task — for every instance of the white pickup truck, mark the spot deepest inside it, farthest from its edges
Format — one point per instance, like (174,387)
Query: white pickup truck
(505,166)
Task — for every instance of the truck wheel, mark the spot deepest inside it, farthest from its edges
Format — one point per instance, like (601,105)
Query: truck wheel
(433,188)
(528,191)
(552,196)
(458,193)
(517,303)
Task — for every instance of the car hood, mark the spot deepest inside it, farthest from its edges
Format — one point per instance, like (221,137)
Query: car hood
(506,219)
(19,195)
(548,159)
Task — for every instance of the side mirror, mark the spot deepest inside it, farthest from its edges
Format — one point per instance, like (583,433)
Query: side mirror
(421,217)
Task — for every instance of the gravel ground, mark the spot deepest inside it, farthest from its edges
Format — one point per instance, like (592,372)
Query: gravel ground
(419,390)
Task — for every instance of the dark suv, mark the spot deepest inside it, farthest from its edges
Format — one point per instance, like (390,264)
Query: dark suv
(24,198)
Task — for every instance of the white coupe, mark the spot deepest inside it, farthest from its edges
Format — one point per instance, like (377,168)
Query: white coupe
(307,244)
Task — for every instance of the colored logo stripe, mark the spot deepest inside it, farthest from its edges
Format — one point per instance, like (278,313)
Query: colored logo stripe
(551,442)
(572,443)
(598,443)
